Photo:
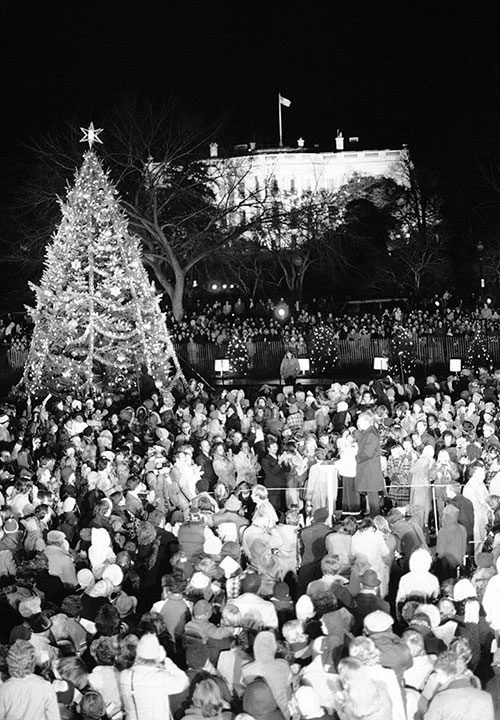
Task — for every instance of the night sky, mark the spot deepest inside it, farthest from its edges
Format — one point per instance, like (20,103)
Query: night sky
(418,72)
(384,71)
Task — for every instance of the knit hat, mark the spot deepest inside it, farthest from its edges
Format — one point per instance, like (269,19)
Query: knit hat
(201,608)
(149,648)
(378,621)
(463,589)
(370,578)
(11,526)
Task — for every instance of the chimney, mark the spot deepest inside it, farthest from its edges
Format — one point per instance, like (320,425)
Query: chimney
(339,141)
(214,149)
(300,143)
(252,146)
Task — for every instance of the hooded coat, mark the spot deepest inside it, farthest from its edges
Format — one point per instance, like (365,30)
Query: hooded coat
(451,541)
(276,672)
(419,582)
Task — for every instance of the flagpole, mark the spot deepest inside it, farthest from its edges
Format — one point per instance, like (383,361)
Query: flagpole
(279,116)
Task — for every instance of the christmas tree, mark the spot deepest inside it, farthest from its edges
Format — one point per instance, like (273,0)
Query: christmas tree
(97,317)
(323,349)
(478,354)
(403,357)
(237,355)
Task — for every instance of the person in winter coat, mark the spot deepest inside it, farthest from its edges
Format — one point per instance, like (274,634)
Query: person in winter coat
(146,686)
(475,490)
(456,697)
(419,583)
(9,546)
(276,672)
(465,512)
(289,369)
(275,476)
(394,653)
(361,697)
(369,550)
(420,493)
(26,695)
(60,562)
(442,474)
(369,477)
(208,702)
(451,543)
(491,601)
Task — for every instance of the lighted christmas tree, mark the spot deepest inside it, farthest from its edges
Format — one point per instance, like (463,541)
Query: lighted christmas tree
(403,358)
(323,349)
(478,354)
(97,316)
(237,354)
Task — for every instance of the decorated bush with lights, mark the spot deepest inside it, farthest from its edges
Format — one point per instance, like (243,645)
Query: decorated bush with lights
(478,354)
(97,316)
(237,354)
(323,350)
(403,357)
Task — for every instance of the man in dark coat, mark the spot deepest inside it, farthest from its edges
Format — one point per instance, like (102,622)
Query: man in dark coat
(369,478)
(204,461)
(465,512)
(275,476)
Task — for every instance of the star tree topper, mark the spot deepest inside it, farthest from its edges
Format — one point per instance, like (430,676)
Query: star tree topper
(91,135)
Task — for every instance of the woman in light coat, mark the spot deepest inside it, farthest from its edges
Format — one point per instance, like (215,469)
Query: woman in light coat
(420,493)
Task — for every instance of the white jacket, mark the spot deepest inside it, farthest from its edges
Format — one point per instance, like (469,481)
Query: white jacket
(145,689)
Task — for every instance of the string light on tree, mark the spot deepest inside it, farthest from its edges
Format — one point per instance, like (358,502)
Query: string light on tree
(97,316)
(323,349)
(478,354)
(237,355)
(403,357)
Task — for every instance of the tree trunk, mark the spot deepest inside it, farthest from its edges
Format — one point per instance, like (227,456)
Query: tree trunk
(177,296)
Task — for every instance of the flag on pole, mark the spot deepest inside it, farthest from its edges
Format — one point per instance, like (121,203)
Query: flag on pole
(284,101)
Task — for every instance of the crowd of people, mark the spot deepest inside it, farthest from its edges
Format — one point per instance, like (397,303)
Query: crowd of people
(217,321)
(330,553)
